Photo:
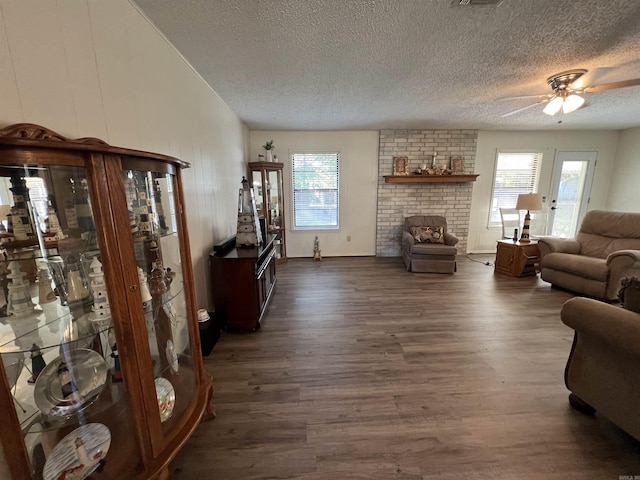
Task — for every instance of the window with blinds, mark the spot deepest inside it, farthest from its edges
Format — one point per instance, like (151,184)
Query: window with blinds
(315,191)
(516,173)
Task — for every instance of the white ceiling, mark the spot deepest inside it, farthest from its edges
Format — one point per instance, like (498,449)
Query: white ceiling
(374,64)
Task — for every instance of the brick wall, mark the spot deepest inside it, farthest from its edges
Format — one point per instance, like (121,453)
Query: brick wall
(399,200)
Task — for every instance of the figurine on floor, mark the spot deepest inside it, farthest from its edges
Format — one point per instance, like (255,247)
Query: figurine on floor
(317,253)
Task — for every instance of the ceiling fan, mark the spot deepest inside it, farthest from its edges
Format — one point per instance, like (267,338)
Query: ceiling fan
(566,96)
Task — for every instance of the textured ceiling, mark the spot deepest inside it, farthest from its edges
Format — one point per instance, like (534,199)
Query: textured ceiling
(374,64)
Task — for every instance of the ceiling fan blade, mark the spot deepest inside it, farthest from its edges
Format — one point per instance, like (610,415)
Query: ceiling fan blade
(592,77)
(613,85)
(524,108)
(520,97)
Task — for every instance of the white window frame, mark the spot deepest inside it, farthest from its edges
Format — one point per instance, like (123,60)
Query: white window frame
(507,197)
(296,223)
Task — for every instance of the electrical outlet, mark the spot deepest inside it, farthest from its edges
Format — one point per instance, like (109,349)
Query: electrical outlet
(348,238)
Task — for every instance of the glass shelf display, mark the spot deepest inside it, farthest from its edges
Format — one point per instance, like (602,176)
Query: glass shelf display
(266,179)
(97,309)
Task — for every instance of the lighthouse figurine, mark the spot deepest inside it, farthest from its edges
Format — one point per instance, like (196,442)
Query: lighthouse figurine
(100,311)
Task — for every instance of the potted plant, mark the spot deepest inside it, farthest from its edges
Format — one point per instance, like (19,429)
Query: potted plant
(269,147)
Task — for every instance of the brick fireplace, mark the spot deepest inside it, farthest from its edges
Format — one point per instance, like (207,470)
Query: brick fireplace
(399,200)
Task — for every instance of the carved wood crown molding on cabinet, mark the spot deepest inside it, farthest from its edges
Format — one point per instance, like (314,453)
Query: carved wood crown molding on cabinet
(430,178)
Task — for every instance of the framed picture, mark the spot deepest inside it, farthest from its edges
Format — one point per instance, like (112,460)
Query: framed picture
(401,165)
(457,165)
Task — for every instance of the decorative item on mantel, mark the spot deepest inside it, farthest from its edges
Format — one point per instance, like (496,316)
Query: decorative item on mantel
(269,147)
(400,166)
(457,165)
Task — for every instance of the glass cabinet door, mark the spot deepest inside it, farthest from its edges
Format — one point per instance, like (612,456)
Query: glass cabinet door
(267,187)
(57,342)
(154,229)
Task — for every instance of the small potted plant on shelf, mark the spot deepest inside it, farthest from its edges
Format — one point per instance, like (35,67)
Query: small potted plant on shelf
(269,147)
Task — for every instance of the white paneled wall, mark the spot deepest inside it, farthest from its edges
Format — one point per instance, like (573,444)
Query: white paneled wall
(101,69)
(358,176)
(482,238)
(624,194)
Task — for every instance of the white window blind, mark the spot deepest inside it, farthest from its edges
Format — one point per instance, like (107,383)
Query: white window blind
(516,173)
(315,190)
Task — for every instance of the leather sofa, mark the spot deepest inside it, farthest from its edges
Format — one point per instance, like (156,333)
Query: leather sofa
(606,248)
(602,371)
(425,256)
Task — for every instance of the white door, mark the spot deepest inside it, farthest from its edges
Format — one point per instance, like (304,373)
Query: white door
(570,191)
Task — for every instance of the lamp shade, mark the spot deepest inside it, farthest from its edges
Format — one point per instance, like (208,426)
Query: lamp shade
(4,211)
(529,201)
(554,106)
(572,103)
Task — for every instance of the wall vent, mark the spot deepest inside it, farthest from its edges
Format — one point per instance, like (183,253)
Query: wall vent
(476,3)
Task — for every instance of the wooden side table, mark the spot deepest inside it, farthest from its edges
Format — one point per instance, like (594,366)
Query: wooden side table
(516,259)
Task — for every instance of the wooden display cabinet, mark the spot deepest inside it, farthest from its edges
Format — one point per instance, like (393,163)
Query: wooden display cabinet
(266,179)
(101,368)
(516,259)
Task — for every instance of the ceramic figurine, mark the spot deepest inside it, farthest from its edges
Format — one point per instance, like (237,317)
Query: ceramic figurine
(317,253)
(144,286)
(116,374)
(249,234)
(169,275)
(162,221)
(45,292)
(37,363)
(20,217)
(19,298)
(54,230)
(101,310)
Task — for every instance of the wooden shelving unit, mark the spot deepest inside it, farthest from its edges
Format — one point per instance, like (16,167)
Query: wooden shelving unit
(430,178)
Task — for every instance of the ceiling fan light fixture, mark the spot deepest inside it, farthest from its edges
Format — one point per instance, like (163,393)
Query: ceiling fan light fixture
(572,103)
(554,105)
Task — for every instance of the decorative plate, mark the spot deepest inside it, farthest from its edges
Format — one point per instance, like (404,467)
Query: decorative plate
(88,373)
(166,396)
(78,454)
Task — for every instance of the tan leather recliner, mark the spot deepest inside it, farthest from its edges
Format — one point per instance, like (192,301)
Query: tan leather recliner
(602,371)
(606,248)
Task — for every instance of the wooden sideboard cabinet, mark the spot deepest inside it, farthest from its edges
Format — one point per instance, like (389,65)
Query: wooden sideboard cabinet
(516,259)
(243,281)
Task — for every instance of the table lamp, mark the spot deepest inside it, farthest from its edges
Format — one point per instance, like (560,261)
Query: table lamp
(528,202)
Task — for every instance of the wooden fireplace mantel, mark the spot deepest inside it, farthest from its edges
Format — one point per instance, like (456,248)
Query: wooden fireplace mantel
(430,178)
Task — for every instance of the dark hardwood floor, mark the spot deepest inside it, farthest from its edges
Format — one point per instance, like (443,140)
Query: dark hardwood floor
(364,371)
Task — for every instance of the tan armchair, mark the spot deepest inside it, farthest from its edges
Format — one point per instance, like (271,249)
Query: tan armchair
(602,370)
(606,248)
(428,250)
